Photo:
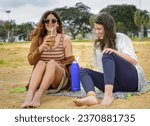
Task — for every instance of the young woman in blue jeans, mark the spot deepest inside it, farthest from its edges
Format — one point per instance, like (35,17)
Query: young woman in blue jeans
(116,61)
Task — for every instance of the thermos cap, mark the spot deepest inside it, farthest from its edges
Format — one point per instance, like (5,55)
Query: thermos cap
(74,62)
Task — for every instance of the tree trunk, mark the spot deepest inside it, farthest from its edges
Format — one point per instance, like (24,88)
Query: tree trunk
(142,33)
(73,36)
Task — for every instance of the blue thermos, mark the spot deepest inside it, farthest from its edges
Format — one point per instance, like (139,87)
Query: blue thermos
(75,77)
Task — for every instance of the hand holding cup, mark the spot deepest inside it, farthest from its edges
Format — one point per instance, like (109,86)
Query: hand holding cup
(51,38)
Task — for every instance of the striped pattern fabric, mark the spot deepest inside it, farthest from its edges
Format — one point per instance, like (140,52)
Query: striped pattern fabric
(57,53)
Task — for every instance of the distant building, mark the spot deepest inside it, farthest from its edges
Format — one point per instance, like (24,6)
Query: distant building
(148,32)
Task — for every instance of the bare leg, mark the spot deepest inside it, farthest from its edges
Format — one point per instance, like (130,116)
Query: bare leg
(53,75)
(89,100)
(108,96)
(28,99)
(34,83)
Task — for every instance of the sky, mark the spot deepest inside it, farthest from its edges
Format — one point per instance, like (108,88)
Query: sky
(23,11)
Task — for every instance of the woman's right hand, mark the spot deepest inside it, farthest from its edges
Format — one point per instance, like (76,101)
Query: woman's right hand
(45,44)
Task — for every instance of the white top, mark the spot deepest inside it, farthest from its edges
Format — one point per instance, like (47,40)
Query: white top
(123,45)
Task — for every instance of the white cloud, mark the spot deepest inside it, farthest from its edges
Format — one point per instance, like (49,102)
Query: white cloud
(17,3)
(31,10)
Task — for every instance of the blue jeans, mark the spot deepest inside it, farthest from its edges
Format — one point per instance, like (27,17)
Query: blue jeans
(117,72)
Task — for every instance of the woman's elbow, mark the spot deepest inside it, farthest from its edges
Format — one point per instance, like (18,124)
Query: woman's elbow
(31,62)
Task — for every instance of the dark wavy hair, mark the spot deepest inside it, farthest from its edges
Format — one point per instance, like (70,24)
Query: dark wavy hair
(40,29)
(105,19)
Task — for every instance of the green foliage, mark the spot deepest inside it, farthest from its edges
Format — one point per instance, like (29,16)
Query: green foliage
(2,61)
(148,25)
(141,17)
(75,19)
(22,31)
(8,28)
(92,18)
(120,27)
(125,15)
(129,95)
(18,90)
(3,32)
(79,20)
(135,39)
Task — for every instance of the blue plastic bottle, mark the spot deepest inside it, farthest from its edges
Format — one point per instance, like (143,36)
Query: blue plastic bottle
(75,77)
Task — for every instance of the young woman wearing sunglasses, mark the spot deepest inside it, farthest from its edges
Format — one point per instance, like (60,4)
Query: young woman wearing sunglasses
(51,65)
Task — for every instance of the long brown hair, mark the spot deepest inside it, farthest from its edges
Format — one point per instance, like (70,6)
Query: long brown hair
(105,19)
(40,29)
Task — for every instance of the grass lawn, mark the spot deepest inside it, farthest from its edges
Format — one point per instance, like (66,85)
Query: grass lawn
(15,72)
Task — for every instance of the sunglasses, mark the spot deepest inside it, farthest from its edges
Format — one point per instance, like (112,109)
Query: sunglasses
(53,20)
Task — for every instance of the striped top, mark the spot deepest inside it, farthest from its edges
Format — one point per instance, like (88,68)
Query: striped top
(57,53)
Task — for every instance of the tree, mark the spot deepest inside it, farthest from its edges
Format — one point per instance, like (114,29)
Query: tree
(91,20)
(21,31)
(120,27)
(12,29)
(24,30)
(125,15)
(6,28)
(75,19)
(141,19)
(3,33)
(148,25)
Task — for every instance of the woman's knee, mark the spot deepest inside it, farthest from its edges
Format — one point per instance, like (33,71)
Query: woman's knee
(41,63)
(84,71)
(107,56)
(52,63)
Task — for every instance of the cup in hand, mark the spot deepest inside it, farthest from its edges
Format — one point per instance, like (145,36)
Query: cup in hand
(51,37)
(51,40)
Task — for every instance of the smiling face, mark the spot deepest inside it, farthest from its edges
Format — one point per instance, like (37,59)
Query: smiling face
(50,22)
(99,29)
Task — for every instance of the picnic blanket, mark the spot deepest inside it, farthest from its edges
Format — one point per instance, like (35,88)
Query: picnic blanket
(100,94)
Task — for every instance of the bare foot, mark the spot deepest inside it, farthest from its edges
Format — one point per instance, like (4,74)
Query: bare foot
(36,102)
(107,101)
(89,100)
(28,100)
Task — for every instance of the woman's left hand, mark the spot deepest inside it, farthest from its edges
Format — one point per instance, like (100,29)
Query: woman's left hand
(108,50)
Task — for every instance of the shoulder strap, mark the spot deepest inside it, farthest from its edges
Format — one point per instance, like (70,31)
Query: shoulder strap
(62,39)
